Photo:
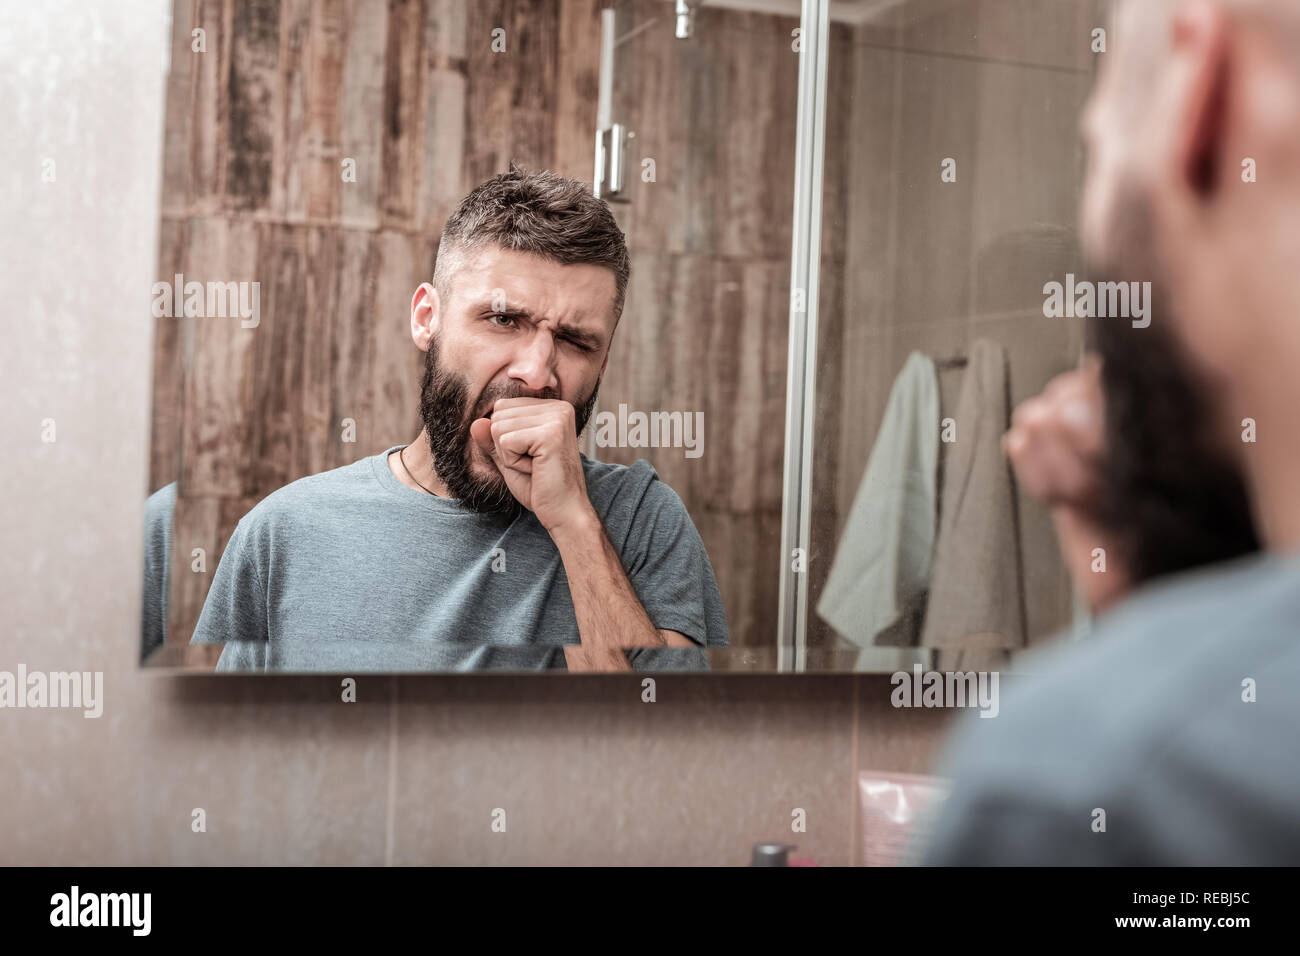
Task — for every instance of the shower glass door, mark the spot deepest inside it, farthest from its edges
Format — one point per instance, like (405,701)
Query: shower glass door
(699,112)
(951,170)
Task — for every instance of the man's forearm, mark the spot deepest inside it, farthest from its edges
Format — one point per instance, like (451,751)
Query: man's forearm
(610,616)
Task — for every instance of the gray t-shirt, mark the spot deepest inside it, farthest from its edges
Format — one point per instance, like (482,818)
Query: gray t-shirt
(1146,720)
(351,570)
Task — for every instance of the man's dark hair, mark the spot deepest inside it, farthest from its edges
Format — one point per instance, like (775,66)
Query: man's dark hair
(1171,495)
(540,212)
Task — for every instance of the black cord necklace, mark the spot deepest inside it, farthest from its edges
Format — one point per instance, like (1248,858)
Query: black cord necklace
(408,471)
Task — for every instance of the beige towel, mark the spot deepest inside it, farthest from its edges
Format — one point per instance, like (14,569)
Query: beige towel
(975,612)
(875,591)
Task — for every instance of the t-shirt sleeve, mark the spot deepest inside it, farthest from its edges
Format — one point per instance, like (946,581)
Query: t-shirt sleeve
(157,559)
(669,569)
(234,613)
(669,659)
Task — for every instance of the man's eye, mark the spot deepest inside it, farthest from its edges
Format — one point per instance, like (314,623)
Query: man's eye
(579,346)
(507,319)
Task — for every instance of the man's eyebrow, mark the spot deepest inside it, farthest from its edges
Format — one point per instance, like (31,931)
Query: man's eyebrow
(485,307)
(581,336)
(571,332)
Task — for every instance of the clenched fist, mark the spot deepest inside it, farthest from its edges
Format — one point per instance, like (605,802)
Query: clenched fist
(534,444)
(1056,446)
(1057,439)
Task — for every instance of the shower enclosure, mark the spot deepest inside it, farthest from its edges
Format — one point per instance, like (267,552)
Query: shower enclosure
(942,185)
(695,143)
(830,193)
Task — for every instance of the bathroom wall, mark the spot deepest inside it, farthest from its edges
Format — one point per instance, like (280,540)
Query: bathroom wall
(287,773)
(996,85)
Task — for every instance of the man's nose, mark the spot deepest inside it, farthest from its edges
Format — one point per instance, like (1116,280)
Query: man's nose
(534,363)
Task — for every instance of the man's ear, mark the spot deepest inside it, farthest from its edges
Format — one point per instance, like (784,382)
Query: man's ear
(1200,96)
(426,312)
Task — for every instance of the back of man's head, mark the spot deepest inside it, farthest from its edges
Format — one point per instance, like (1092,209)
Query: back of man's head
(1193,186)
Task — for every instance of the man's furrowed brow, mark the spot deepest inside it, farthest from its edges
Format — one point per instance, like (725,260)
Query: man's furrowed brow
(581,336)
(565,330)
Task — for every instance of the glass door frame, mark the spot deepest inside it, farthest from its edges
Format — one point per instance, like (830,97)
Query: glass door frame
(801,383)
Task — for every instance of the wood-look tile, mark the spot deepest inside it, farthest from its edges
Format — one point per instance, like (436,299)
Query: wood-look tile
(178,111)
(362,110)
(254,102)
(167,423)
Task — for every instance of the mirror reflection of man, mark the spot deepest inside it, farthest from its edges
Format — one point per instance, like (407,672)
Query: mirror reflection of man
(1168,736)
(490,541)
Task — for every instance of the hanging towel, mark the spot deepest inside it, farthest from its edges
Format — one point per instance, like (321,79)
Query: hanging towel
(875,591)
(976,610)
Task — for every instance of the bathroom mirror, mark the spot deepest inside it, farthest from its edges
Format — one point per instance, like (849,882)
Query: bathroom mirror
(810,196)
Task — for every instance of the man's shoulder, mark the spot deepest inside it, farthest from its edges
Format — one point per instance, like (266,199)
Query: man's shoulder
(158,510)
(1153,670)
(614,474)
(637,507)
(306,497)
(1152,718)
(161,501)
(626,487)
(1172,629)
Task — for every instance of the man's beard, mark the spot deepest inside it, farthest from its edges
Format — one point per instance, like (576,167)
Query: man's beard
(448,415)
(1172,493)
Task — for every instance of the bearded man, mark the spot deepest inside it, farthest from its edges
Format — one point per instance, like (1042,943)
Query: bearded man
(490,541)
(1167,736)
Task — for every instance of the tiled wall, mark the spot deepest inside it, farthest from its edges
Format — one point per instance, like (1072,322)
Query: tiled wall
(285,771)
